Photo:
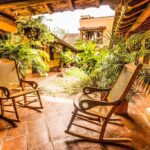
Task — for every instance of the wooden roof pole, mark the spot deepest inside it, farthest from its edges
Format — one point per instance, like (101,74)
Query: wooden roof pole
(25,3)
(9,12)
(136,12)
(70,4)
(145,14)
(47,8)
(123,8)
(97,3)
(7,24)
(137,5)
(124,23)
(125,26)
(30,10)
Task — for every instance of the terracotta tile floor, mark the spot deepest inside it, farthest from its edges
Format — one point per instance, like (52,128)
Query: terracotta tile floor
(45,130)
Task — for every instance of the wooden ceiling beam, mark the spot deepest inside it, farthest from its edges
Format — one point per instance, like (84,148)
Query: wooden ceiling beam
(70,4)
(135,13)
(137,5)
(7,24)
(144,15)
(47,8)
(7,15)
(126,22)
(8,12)
(25,3)
(31,11)
(123,9)
(4,19)
(97,3)
(125,26)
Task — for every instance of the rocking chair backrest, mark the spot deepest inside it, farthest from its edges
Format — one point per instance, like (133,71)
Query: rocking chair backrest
(124,82)
(9,76)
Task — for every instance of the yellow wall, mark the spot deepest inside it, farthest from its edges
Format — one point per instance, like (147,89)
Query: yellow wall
(54,63)
(97,22)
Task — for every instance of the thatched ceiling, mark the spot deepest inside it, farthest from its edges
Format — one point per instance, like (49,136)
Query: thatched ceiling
(132,17)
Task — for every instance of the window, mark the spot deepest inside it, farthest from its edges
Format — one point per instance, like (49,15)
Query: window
(51,50)
(100,37)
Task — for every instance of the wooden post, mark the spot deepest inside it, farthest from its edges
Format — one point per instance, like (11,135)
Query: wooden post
(146,59)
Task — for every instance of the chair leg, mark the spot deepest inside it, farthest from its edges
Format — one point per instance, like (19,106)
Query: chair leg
(15,109)
(2,107)
(106,122)
(25,99)
(10,121)
(101,120)
(26,103)
(39,97)
(72,119)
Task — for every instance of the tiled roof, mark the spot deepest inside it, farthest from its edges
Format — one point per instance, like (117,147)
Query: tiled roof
(91,17)
(71,38)
(66,44)
(92,28)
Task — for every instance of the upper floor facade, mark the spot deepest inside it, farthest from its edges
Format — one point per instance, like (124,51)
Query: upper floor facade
(97,29)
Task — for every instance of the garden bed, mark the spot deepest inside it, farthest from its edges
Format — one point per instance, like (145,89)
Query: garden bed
(65,85)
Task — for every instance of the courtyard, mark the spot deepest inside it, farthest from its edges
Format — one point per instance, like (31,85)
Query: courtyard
(74,75)
(45,130)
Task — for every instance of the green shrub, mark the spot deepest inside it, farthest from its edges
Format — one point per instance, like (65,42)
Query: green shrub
(24,55)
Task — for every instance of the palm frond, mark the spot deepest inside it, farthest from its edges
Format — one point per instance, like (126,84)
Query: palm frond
(143,79)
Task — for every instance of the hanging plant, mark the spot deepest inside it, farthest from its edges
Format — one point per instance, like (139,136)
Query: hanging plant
(32,33)
(24,55)
(34,30)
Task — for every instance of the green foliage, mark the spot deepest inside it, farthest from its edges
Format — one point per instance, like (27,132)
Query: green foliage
(77,87)
(35,30)
(67,57)
(59,32)
(19,48)
(122,52)
(100,67)
(24,55)
(103,65)
(92,56)
(75,72)
(144,79)
(79,80)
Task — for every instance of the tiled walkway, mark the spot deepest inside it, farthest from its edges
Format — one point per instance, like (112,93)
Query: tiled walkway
(45,130)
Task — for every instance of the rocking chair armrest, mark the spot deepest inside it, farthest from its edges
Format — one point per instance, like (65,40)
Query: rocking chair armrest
(33,84)
(88,90)
(5,91)
(88,104)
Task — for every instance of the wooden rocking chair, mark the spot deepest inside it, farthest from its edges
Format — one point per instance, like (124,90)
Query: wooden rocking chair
(86,104)
(12,87)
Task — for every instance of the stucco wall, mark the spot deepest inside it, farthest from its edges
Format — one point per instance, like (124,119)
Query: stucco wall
(97,22)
